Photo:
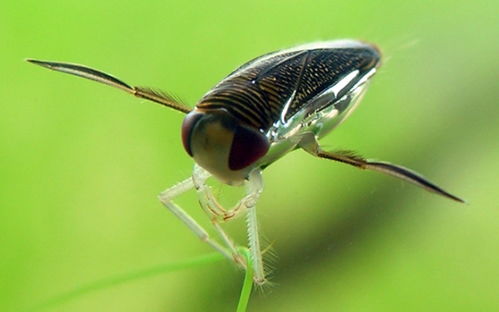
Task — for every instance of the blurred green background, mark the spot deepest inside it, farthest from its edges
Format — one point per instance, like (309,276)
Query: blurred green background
(81,163)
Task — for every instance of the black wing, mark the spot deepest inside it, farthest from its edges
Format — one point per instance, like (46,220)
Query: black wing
(259,91)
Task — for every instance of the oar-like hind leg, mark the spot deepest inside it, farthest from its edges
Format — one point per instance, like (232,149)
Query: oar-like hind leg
(99,76)
(309,143)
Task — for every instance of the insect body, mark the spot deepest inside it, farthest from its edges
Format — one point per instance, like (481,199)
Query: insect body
(269,106)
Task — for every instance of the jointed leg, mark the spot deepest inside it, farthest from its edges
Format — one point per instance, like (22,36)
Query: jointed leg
(212,208)
(255,187)
(209,202)
(166,198)
(310,144)
(210,205)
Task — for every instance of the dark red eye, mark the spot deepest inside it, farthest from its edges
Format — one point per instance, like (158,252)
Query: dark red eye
(247,147)
(188,125)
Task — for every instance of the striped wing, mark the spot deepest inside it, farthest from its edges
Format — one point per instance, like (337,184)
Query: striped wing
(278,85)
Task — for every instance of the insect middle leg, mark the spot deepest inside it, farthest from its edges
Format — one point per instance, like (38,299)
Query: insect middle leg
(254,187)
(166,198)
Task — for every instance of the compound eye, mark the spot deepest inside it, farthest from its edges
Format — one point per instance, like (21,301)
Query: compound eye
(247,147)
(188,125)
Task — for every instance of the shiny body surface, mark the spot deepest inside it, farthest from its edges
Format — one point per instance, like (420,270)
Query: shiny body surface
(272,105)
(306,89)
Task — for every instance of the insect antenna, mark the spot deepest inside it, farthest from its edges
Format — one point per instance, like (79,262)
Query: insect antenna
(96,75)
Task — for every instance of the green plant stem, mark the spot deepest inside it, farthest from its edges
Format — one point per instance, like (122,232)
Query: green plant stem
(128,277)
(247,284)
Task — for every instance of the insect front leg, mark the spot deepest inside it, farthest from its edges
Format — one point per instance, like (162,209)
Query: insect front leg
(254,187)
(213,209)
(166,198)
(209,201)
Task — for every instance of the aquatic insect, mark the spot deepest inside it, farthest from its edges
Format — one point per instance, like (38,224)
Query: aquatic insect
(273,104)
